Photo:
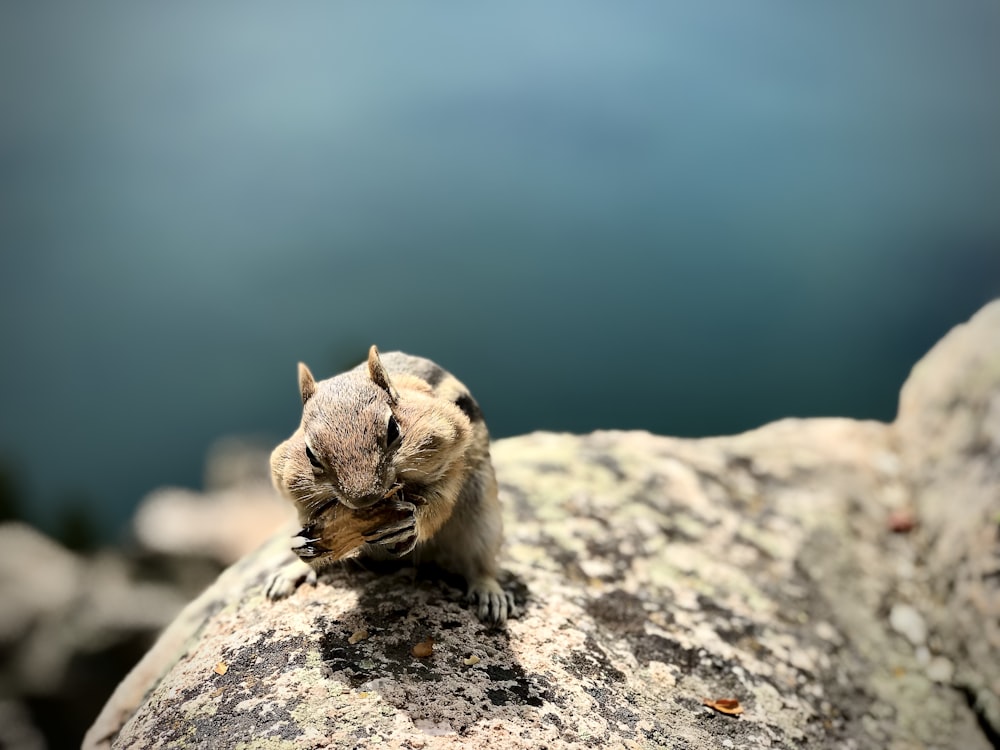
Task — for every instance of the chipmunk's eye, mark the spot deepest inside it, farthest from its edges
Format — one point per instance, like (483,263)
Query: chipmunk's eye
(392,433)
(312,459)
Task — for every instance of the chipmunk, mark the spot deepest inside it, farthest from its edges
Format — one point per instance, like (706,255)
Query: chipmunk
(392,461)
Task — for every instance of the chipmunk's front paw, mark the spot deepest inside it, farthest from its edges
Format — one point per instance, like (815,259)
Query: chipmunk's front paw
(399,533)
(288,578)
(307,544)
(494,604)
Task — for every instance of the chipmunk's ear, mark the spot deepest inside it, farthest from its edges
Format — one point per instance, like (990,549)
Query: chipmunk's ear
(379,376)
(307,384)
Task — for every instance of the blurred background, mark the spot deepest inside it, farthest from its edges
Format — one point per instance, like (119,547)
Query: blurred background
(691,218)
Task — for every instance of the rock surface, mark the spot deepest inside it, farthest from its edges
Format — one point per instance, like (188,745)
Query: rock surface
(837,578)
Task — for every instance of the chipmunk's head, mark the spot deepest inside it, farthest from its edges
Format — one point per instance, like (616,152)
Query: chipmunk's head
(351,433)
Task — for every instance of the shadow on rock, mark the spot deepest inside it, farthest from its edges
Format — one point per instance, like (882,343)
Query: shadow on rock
(470,674)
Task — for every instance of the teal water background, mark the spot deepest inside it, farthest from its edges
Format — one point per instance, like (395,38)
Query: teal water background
(691,217)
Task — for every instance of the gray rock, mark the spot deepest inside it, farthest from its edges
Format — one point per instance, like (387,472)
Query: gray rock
(17,732)
(58,606)
(906,621)
(948,434)
(70,627)
(38,579)
(940,669)
(237,461)
(651,572)
(235,514)
(220,525)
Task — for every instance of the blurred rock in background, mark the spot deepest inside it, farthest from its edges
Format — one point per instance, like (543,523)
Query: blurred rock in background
(236,512)
(72,625)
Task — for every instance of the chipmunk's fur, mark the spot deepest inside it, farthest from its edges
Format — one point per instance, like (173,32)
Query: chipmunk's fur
(392,460)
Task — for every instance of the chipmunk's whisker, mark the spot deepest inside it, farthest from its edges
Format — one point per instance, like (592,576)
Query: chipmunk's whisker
(322,505)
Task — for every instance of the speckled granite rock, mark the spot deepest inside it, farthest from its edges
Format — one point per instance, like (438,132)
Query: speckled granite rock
(652,572)
(949,438)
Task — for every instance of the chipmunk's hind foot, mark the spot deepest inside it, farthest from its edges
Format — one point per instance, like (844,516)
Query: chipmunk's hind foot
(493,603)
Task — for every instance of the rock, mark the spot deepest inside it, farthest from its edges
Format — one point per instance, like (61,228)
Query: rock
(38,577)
(17,731)
(948,433)
(70,627)
(237,461)
(906,621)
(222,526)
(940,670)
(651,573)
(235,514)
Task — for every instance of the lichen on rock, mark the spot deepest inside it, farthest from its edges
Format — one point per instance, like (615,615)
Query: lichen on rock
(651,573)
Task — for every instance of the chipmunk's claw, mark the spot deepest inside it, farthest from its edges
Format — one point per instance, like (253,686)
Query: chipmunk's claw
(307,547)
(404,546)
(397,543)
(399,536)
(392,533)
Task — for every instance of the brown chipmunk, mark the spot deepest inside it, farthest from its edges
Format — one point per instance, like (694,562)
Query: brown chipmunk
(392,461)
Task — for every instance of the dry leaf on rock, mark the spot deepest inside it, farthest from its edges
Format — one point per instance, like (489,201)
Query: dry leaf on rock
(728,706)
